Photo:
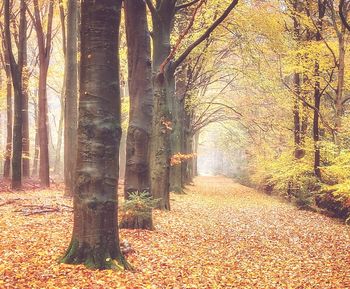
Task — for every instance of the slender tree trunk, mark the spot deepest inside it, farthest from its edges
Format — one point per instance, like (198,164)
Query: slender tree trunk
(195,151)
(176,181)
(44,162)
(7,163)
(44,45)
(95,240)
(36,141)
(25,110)
(57,166)
(317,100)
(71,91)
(339,107)
(137,178)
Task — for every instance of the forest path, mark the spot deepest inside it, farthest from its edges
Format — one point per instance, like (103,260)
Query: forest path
(218,235)
(236,235)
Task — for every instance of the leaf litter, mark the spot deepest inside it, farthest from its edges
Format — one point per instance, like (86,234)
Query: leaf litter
(218,235)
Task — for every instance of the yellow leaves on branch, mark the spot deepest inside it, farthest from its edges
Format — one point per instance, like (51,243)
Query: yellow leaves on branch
(178,158)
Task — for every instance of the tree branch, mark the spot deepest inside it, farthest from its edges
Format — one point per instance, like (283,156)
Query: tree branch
(185,5)
(151,8)
(205,35)
(343,17)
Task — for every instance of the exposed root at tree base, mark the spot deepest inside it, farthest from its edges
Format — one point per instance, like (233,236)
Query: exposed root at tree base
(95,258)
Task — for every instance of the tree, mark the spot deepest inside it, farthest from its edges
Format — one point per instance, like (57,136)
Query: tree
(17,81)
(70,97)
(164,66)
(95,240)
(8,149)
(44,46)
(137,178)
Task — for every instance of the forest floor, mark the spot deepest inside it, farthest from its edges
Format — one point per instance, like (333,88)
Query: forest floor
(218,235)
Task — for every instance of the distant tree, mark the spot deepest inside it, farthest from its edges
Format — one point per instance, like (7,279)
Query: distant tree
(44,39)
(95,240)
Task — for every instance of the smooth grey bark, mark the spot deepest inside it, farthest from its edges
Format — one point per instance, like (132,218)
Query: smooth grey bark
(95,240)
(137,171)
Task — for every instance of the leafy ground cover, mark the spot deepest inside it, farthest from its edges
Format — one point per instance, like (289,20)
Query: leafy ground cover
(219,235)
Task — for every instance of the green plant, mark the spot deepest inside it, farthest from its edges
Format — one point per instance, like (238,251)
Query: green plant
(138,205)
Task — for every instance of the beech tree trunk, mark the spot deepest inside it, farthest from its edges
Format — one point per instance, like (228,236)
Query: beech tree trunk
(177,135)
(164,87)
(95,240)
(70,98)
(137,175)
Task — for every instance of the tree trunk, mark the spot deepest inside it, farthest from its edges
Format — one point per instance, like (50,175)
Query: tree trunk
(95,240)
(339,106)
(16,76)
(44,162)
(177,135)
(57,166)
(7,163)
(25,111)
(195,151)
(137,178)
(44,46)
(163,85)
(71,90)
(317,99)
(36,141)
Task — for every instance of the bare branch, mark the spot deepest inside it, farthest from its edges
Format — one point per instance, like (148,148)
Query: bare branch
(205,35)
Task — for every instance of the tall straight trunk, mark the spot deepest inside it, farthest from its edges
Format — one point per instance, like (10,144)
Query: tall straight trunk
(177,135)
(164,86)
(137,178)
(71,98)
(8,152)
(297,79)
(57,165)
(44,162)
(44,46)
(195,151)
(95,240)
(317,97)
(299,151)
(36,141)
(187,171)
(16,76)
(339,106)
(25,108)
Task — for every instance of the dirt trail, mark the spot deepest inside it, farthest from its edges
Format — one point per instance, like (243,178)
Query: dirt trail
(259,242)
(218,235)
